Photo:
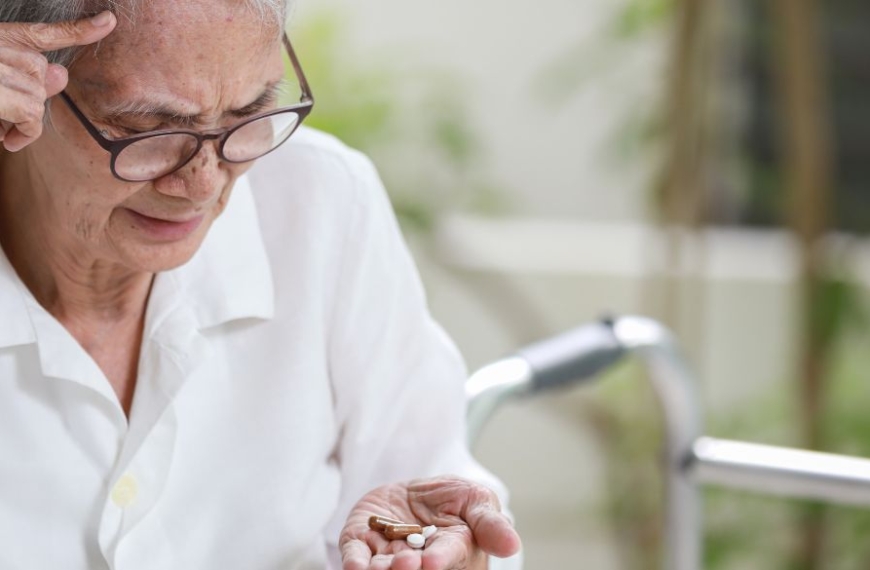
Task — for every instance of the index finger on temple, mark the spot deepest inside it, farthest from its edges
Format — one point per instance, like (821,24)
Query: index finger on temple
(58,35)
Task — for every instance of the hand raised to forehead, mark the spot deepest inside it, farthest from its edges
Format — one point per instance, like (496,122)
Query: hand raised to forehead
(27,80)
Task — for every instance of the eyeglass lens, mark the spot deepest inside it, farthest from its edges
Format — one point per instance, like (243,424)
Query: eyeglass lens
(150,158)
(159,155)
(256,138)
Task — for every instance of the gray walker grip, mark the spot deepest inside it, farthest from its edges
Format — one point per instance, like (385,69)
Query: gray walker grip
(578,354)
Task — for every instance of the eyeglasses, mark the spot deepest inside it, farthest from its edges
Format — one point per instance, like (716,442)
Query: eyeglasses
(151,155)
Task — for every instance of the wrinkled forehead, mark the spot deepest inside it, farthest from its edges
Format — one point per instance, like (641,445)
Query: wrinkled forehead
(196,28)
(199,48)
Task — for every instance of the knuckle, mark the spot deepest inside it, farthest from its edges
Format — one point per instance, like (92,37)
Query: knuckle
(33,110)
(31,63)
(29,35)
(10,53)
(62,30)
(14,81)
(39,36)
(41,96)
(481,492)
(37,62)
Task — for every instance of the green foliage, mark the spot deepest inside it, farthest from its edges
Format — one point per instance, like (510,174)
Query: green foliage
(640,16)
(743,528)
(593,59)
(847,425)
(838,304)
(628,424)
(353,104)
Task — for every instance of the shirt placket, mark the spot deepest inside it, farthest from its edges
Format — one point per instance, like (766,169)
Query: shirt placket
(173,353)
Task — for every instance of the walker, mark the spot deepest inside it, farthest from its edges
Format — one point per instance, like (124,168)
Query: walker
(691,459)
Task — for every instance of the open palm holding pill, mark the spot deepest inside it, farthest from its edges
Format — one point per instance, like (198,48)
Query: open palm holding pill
(459,523)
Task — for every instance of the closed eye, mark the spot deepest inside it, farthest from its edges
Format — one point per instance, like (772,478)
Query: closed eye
(259,106)
(267,101)
(115,132)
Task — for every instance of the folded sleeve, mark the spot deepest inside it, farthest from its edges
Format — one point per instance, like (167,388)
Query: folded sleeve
(398,380)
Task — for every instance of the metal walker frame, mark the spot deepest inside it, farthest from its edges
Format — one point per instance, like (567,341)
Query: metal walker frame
(691,459)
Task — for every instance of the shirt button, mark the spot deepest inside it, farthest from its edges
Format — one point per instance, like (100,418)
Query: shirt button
(125,491)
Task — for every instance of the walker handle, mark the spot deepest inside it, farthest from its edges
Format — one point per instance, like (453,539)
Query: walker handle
(576,355)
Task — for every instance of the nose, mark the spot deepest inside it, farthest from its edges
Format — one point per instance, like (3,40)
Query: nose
(200,179)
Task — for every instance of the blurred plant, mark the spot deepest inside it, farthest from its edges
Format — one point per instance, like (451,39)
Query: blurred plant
(744,526)
(413,124)
(623,413)
(592,59)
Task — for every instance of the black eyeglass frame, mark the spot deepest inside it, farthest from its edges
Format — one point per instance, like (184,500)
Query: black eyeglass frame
(116,146)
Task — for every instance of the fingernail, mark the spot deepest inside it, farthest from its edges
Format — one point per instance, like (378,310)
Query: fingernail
(102,19)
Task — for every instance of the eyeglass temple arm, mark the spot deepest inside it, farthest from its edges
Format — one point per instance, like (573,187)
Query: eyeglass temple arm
(87,124)
(303,82)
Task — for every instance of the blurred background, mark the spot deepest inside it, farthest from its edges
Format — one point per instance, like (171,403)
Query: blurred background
(704,163)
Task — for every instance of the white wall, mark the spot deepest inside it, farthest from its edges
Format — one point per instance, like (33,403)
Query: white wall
(551,160)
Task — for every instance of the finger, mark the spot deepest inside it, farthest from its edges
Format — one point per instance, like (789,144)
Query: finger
(493,531)
(24,60)
(58,35)
(25,112)
(15,140)
(12,79)
(355,555)
(450,549)
(5,126)
(381,562)
(406,560)
(56,79)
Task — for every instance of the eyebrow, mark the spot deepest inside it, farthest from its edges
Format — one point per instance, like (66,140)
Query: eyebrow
(152,110)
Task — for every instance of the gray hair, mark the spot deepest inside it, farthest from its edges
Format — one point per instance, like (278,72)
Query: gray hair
(49,11)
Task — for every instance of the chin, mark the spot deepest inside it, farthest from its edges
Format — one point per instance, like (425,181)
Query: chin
(158,258)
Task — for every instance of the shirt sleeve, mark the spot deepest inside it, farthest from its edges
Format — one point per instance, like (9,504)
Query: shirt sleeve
(398,380)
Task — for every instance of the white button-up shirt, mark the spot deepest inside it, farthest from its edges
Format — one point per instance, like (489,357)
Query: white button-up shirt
(290,367)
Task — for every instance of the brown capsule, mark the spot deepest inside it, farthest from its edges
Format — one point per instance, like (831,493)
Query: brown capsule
(380,523)
(401,531)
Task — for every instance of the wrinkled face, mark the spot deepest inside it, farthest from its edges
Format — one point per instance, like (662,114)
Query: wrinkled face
(197,64)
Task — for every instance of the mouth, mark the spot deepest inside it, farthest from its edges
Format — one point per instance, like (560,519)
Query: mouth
(162,229)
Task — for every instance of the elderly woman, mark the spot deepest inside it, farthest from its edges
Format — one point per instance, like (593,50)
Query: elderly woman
(207,363)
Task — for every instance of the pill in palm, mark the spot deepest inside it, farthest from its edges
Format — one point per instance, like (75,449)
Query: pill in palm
(380,523)
(416,540)
(400,531)
(429,530)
